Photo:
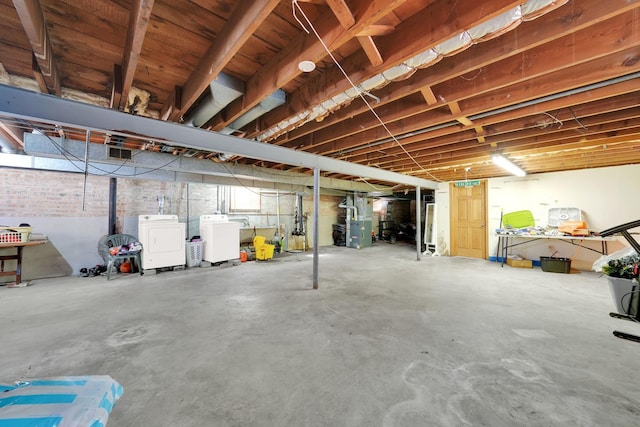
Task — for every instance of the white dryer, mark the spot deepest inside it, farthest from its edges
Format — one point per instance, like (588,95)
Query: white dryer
(221,238)
(163,241)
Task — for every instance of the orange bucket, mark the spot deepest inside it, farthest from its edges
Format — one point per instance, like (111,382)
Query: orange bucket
(243,256)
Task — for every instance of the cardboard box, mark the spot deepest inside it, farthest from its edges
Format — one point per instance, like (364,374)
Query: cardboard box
(574,228)
(520,263)
(581,232)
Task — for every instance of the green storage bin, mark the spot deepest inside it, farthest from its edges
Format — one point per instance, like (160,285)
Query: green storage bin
(519,219)
(555,265)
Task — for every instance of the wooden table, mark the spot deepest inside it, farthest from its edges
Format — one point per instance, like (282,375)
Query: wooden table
(18,257)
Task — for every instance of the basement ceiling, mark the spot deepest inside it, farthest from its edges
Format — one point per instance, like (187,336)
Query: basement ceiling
(427,88)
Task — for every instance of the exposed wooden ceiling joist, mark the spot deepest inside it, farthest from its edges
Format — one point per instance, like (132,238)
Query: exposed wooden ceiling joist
(284,66)
(371,50)
(471,62)
(341,10)
(35,27)
(141,13)
(592,102)
(11,133)
(248,16)
(431,26)
(598,60)
(533,86)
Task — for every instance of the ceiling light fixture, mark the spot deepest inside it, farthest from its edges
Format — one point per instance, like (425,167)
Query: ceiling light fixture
(306,66)
(507,165)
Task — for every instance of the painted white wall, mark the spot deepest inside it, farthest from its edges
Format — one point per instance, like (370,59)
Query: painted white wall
(606,196)
(76,239)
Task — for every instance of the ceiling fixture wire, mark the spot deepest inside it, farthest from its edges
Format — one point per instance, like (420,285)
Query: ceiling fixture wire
(577,120)
(554,118)
(353,85)
(73,159)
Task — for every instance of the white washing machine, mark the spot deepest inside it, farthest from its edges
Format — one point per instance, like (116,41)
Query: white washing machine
(221,238)
(163,241)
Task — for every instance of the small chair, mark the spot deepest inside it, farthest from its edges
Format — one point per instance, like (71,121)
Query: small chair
(264,251)
(108,242)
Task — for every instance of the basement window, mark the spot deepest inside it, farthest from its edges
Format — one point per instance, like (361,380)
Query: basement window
(244,199)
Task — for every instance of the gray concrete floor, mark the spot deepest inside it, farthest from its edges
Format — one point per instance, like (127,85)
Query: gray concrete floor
(385,341)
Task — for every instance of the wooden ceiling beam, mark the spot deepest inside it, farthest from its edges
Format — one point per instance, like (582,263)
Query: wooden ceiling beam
(283,67)
(35,28)
(428,95)
(246,18)
(565,21)
(429,27)
(436,23)
(480,132)
(579,159)
(594,157)
(347,20)
(600,153)
(457,113)
(37,74)
(116,87)
(377,30)
(604,152)
(341,10)
(559,80)
(454,107)
(371,50)
(393,115)
(140,16)
(515,149)
(572,160)
(12,133)
(439,155)
(515,121)
(627,142)
(552,75)
(444,137)
(593,117)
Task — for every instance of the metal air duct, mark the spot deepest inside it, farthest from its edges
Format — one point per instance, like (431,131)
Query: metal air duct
(222,91)
(274,100)
(7,146)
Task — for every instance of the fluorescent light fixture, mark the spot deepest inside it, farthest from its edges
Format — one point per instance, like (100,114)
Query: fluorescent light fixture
(507,165)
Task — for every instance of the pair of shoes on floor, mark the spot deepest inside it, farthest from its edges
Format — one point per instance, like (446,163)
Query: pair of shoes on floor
(94,271)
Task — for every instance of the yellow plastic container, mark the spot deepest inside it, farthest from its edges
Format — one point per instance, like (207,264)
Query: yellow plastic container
(264,251)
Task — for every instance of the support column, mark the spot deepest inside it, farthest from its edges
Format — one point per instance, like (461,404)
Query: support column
(113,190)
(418,225)
(316,216)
